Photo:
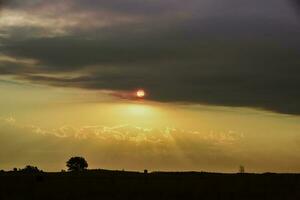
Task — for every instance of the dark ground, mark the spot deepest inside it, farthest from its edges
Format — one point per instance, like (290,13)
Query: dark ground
(102,184)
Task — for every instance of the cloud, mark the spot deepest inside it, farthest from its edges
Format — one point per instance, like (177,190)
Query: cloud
(8,120)
(113,147)
(137,148)
(49,19)
(135,135)
(296,4)
(178,52)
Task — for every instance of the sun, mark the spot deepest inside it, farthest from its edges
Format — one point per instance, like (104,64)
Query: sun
(140,93)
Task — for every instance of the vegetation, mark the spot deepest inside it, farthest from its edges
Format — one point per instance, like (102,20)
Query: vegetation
(107,184)
(30,169)
(77,164)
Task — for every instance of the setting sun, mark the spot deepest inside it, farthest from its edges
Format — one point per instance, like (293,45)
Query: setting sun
(140,93)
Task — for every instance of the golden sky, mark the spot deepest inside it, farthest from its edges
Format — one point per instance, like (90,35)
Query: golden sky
(44,126)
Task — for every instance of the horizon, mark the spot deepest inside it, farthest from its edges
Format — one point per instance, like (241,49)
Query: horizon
(158,85)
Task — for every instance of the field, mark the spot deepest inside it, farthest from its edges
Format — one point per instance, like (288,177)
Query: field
(104,184)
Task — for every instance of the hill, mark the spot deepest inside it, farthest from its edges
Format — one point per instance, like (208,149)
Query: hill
(105,184)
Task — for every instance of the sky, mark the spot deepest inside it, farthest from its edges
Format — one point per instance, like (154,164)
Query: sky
(221,81)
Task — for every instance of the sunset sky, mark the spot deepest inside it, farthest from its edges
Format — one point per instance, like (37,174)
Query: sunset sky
(221,81)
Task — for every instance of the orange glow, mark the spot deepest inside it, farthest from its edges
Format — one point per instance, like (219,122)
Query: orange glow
(140,93)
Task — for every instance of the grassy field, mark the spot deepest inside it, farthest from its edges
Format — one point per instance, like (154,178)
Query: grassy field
(103,184)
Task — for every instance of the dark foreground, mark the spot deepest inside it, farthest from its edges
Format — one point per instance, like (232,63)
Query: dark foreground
(155,186)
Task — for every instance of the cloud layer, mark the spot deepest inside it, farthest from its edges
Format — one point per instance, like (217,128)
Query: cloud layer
(229,53)
(114,147)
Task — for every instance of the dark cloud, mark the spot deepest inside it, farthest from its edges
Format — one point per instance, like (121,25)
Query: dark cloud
(144,7)
(220,73)
(296,4)
(229,58)
(20,3)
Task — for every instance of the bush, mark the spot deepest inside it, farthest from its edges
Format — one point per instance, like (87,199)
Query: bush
(30,169)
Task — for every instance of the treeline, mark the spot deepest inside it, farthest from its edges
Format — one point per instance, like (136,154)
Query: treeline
(73,164)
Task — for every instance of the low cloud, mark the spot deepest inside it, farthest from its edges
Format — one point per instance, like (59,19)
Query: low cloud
(113,147)
(137,148)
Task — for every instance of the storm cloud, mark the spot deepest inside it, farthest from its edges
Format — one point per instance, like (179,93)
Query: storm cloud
(229,53)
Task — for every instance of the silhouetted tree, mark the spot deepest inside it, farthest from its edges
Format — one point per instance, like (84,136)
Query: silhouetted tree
(77,164)
(30,169)
(242,169)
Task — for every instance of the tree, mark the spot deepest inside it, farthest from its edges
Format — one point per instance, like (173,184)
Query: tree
(77,164)
(242,169)
(30,169)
